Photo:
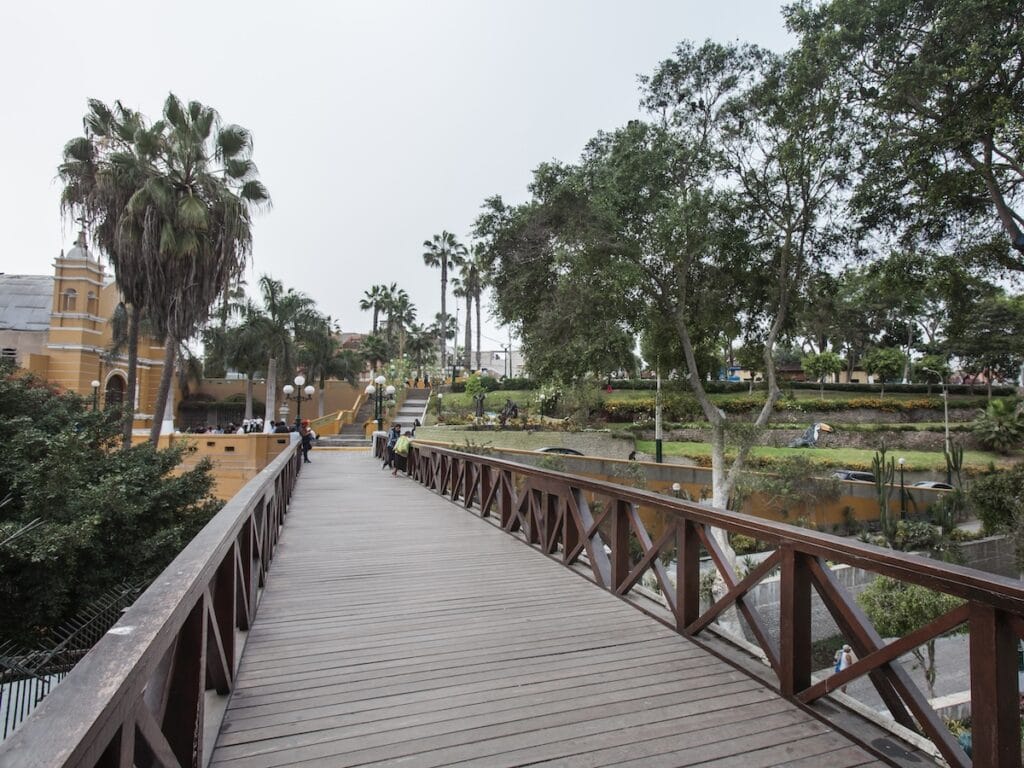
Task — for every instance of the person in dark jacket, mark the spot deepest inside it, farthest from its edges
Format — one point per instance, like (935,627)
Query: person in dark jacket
(389,448)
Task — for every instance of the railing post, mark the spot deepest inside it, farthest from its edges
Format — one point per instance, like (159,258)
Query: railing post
(794,622)
(687,574)
(995,716)
(620,543)
(183,720)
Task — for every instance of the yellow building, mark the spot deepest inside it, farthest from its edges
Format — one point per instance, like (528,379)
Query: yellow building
(59,328)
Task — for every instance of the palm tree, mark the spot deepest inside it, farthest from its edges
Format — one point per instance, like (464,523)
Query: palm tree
(401,314)
(470,284)
(443,251)
(245,350)
(101,172)
(419,345)
(285,314)
(462,291)
(184,233)
(375,349)
(476,279)
(232,304)
(192,222)
(373,299)
(319,353)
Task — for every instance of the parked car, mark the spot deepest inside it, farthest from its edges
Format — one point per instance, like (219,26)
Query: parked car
(932,484)
(558,449)
(854,474)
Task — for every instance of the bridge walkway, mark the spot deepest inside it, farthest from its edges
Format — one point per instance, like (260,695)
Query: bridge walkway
(398,629)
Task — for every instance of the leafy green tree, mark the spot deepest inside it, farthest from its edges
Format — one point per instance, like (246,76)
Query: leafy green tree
(934,369)
(446,252)
(883,363)
(107,516)
(991,342)
(897,609)
(936,86)
(821,365)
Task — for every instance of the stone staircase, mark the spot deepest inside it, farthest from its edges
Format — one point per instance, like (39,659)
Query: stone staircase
(413,408)
(351,435)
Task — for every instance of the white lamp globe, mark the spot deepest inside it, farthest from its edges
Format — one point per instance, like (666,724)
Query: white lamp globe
(309,390)
(380,381)
(300,380)
(288,389)
(370,390)
(390,390)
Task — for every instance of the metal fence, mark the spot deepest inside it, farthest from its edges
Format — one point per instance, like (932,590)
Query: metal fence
(26,677)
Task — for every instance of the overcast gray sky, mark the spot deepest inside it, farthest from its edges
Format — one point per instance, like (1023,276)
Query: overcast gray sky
(376,124)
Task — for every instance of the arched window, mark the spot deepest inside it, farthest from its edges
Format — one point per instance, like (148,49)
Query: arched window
(114,393)
(92,304)
(70,300)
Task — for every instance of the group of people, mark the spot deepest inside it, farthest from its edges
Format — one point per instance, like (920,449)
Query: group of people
(396,449)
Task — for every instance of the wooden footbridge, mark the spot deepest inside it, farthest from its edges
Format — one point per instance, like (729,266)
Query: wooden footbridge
(396,627)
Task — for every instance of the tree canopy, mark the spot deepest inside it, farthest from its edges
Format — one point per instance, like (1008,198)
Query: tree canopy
(106,516)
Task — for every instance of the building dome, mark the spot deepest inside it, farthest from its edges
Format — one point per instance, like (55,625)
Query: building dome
(80,250)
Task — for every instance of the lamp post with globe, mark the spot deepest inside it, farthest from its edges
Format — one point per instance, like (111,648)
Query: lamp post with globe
(95,384)
(298,394)
(378,392)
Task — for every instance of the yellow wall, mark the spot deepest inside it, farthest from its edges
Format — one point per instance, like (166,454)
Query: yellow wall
(237,459)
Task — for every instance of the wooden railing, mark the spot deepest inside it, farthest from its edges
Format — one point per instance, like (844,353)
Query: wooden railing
(589,522)
(139,696)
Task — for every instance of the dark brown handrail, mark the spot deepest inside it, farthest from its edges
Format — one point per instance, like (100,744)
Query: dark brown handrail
(137,698)
(568,516)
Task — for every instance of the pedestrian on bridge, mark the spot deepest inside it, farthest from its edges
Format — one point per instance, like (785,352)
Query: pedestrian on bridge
(306,435)
(389,447)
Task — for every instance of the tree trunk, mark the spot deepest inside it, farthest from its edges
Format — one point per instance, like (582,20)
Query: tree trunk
(930,672)
(271,400)
(469,332)
(248,397)
(444,317)
(164,391)
(478,348)
(134,319)
(906,356)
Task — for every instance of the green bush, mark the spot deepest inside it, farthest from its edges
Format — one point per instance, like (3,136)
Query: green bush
(912,535)
(1000,427)
(994,498)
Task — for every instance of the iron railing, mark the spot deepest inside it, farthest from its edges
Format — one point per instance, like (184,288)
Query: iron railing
(578,520)
(138,698)
(26,677)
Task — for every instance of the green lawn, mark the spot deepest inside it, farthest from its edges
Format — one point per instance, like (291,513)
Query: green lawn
(851,458)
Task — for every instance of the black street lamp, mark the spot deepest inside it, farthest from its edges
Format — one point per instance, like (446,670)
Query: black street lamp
(378,392)
(95,384)
(298,394)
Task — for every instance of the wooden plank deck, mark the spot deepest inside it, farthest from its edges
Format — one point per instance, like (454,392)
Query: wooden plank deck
(398,629)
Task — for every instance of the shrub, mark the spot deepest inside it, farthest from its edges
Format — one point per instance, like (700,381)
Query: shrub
(993,498)
(915,535)
(1000,427)
(745,545)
